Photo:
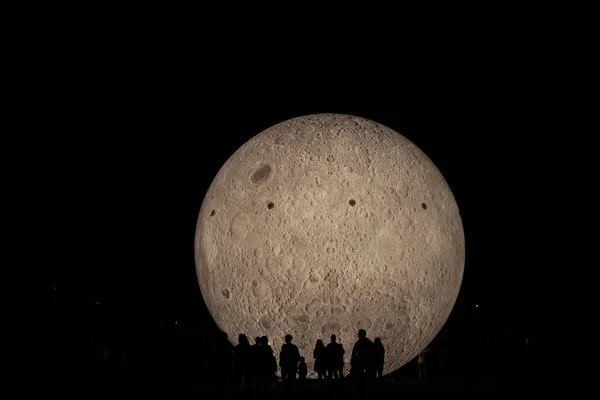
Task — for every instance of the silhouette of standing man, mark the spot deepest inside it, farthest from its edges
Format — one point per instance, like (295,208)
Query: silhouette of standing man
(288,361)
(267,362)
(362,357)
(335,355)
(241,361)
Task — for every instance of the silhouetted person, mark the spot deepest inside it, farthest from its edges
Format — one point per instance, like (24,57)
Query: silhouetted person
(302,372)
(378,357)
(320,356)
(288,361)
(242,361)
(267,363)
(362,357)
(223,359)
(335,359)
(421,363)
(255,363)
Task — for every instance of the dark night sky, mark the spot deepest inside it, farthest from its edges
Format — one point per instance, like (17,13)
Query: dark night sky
(123,136)
(136,175)
(129,151)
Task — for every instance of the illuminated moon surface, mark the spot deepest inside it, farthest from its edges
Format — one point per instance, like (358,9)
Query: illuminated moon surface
(325,224)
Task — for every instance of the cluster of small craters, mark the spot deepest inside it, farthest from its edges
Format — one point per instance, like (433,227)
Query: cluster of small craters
(327,224)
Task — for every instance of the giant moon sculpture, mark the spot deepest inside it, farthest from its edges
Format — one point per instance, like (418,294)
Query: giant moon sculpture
(325,224)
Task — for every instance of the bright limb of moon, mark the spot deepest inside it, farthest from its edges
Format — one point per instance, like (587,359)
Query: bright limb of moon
(325,224)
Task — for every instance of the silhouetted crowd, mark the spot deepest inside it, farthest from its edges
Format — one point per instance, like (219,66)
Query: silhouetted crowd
(255,366)
(170,364)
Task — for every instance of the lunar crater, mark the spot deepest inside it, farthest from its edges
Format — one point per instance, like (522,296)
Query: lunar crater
(262,174)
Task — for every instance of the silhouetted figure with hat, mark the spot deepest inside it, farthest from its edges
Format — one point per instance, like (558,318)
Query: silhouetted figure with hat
(362,357)
(378,358)
(242,362)
(335,359)
(320,356)
(288,361)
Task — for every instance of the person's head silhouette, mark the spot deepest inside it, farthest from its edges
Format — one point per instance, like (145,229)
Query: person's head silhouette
(333,338)
(257,340)
(242,339)
(320,343)
(264,340)
(301,359)
(288,338)
(362,334)
(377,341)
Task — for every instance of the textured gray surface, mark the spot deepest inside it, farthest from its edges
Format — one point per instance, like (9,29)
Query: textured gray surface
(280,249)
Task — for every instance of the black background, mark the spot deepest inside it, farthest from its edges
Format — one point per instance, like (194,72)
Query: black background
(124,132)
(129,167)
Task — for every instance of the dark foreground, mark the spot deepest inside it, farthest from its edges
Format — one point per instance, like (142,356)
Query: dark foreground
(482,387)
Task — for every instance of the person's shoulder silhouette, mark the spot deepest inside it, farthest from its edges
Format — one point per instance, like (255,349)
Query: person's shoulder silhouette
(334,348)
(319,348)
(243,347)
(378,345)
(363,339)
(243,341)
(363,347)
(264,342)
(289,352)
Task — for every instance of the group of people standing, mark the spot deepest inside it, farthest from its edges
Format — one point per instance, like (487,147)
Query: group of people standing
(256,365)
(367,357)
(329,361)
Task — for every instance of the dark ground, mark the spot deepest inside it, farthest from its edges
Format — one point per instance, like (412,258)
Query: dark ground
(484,386)
(477,387)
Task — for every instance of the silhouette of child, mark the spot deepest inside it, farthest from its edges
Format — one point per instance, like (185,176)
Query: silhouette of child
(302,371)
